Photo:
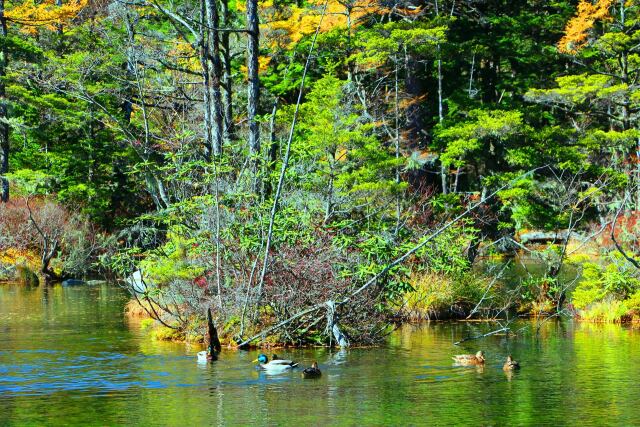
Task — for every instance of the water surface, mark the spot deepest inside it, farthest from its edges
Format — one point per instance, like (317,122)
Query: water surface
(68,356)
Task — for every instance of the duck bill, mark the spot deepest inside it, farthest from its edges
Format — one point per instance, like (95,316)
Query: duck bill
(254,361)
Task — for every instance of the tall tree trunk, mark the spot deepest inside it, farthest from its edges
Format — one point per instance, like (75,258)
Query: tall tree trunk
(4,126)
(127,105)
(206,93)
(59,31)
(273,149)
(227,83)
(397,147)
(443,169)
(214,69)
(253,95)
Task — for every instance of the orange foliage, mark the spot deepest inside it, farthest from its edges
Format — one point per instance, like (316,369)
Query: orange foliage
(14,256)
(184,56)
(576,31)
(263,65)
(45,14)
(285,26)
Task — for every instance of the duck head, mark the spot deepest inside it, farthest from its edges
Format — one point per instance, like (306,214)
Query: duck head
(261,359)
(314,365)
(480,355)
(509,359)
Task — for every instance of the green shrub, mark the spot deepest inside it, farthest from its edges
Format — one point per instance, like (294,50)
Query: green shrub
(608,293)
(609,311)
(436,295)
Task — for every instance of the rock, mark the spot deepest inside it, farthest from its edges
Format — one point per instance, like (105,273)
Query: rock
(96,282)
(73,282)
(548,236)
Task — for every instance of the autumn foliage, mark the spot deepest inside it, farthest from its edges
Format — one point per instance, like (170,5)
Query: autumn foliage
(577,29)
(47,14)
(285,26)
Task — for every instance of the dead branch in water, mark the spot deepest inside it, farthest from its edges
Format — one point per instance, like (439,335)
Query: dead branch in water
(488,334)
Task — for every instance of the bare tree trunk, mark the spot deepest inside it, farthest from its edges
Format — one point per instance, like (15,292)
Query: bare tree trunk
(287,154)
(443,169)
(253,89)
(273,148)
(4,126)
(638,175)
(127,105)
(214,70)
(397,147)
(155,186)
(59,31)
(206,93)
(227,82)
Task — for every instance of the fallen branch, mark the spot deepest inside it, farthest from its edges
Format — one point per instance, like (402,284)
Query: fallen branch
(488,334)
(493,282)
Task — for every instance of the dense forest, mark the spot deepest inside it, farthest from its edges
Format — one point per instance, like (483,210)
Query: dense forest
(314,170)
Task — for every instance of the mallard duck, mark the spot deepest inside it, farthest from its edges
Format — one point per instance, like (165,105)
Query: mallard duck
(469,359)
(276,364)
(312,372)
(510,364)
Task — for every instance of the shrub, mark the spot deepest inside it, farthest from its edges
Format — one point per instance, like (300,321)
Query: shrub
(609,293)
(24,228)
(436,296)
(609,311)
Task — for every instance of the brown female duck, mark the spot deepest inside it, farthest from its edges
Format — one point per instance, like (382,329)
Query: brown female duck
(510,364)
(469,359)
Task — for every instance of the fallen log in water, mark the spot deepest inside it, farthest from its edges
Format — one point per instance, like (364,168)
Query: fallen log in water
(477,337)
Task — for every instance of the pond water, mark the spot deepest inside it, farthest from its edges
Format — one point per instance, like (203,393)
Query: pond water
(68,356)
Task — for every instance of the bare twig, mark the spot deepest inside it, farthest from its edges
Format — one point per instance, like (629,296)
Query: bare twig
(488,334)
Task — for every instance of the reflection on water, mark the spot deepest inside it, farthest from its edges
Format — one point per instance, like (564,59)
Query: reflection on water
(68,356)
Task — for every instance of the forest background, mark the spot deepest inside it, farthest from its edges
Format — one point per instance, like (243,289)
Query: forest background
(313,171)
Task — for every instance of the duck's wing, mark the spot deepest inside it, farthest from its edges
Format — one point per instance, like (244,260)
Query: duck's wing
(282,363)
(464,357)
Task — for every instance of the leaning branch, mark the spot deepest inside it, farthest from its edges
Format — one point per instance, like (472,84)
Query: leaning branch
(488,334)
